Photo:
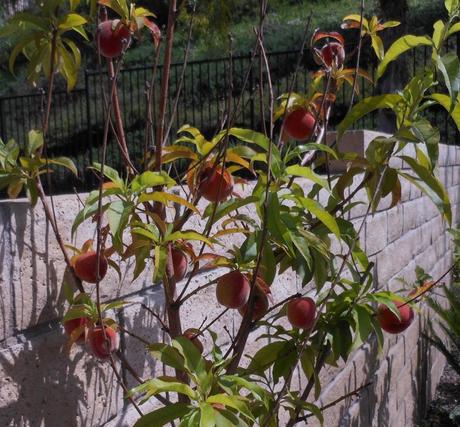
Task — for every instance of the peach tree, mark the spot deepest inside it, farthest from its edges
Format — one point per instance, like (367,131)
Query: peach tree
(290,218)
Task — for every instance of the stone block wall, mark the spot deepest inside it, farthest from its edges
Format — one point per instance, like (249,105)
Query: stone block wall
(42,383)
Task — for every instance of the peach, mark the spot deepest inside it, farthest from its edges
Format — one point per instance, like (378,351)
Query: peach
(192,335)
(300,124)
(80,323)
(113,38)
(390,322)
(214,183)
(103,345)
(301,312)
(233,289)
(260,305)
(180,264)
(86,266)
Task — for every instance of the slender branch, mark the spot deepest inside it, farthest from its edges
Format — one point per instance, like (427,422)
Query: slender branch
(123,386)
(358,57)
(335,402)
(165,84)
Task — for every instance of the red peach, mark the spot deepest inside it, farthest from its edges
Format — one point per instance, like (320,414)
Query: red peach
(192,335)
(300,124)
(214,183)
(233,289)
(113,38)
(180,264)
(103,345)
(260,305)
(301,312)
(72,325)
(86,266)
(390,322)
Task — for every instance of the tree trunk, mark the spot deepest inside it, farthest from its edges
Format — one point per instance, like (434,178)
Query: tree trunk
(397,73)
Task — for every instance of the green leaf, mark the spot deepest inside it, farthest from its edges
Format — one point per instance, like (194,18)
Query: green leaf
(207,415)
(323,215)
(452,108)
(109,173)
(428,135)
(362,317)
(151,179)
(165,198)
(65,162)
(366,106)
(193,361)
(430,185)
(118,215)
(160,260)
(449,66)
(228,206)
(251,137)
(400,46)
(266,356)
(164,415)
(68,67)
(34,142)
(167,355)
(188,235)
(306,172)
(453,29)
(235,402)
(451,5)
(315,410)
(438,30)
(377,45)
(71,20)
(15,188)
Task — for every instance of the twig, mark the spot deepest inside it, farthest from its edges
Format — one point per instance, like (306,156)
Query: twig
(335,402)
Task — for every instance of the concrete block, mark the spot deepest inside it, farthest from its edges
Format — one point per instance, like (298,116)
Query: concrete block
(376,233)
(395,223)
(42,384)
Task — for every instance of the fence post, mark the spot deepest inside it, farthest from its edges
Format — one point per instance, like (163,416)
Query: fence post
(89,127)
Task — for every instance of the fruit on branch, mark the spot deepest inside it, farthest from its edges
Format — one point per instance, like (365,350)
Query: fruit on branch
(214,183)
(113,38)
(333,54)
(260,307)
(86,266)
(232,290)
(300,124)
(71,326)
(180,264)
(301,312)
(192,334)
(103,344)
(390,323)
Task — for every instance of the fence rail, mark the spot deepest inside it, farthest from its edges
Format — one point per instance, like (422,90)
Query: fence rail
(76,122)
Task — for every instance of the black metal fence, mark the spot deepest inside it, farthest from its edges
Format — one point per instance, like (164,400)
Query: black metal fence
(77,118)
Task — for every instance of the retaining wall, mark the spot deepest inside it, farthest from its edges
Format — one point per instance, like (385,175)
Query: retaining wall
(42,383)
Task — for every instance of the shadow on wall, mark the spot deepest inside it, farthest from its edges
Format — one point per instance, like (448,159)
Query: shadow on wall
(41,384)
